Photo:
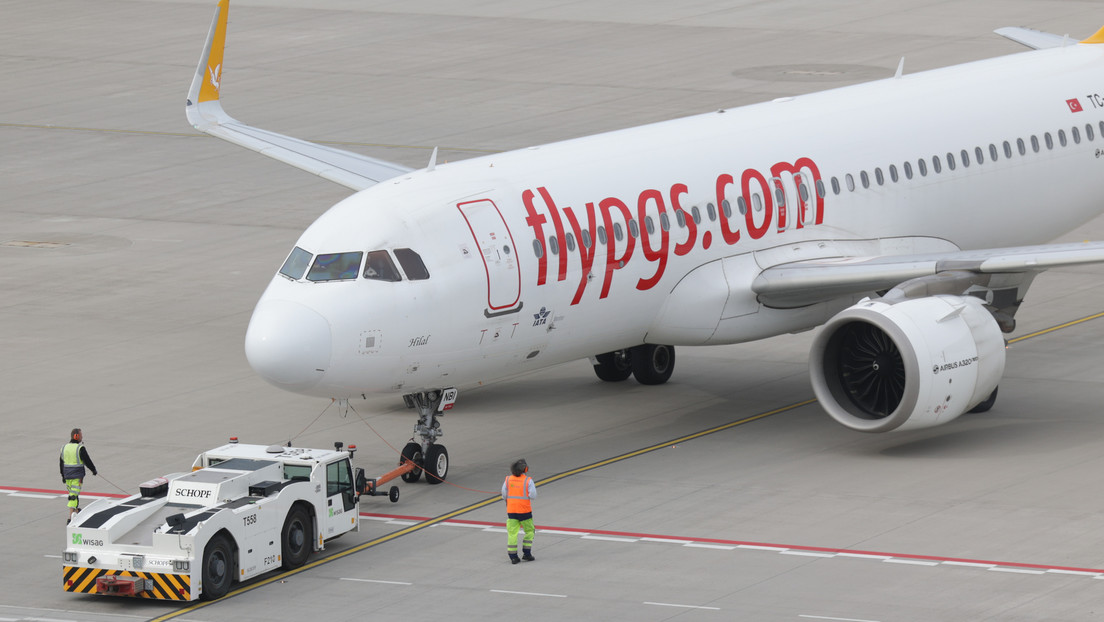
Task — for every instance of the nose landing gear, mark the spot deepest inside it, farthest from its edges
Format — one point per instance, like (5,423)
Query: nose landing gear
(431,457)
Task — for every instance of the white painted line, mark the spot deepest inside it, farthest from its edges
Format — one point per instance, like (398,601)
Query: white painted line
(756,547)
(609,538)
(970,564)
(52,556)
(562,533)
(863,556)
(666,540)
(721,547)
(379,518)
(1076,572)
(405,523)
(838,619)
(530,593)
(451,524)
(31,495)
(495,529)
(913,562)
(1016,570)
(682,606)
(807,553)
(375,581)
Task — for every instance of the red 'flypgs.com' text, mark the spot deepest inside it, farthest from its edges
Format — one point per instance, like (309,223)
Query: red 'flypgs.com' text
(760,203)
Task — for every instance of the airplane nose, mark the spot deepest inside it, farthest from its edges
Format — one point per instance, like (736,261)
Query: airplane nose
(288,344)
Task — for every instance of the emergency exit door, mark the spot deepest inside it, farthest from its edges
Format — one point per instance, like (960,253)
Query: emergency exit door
(498,252)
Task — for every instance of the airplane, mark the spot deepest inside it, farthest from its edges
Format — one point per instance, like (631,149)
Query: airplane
(907,215)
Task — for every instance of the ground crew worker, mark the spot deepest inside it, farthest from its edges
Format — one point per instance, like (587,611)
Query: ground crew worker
(518,490)
(73,459)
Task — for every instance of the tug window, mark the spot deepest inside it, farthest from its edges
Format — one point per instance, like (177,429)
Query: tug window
(379,267)
(412,264)
(335,267)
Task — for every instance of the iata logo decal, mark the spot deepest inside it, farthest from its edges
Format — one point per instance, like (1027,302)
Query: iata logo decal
(661,223)
(540,318)
(1074,105)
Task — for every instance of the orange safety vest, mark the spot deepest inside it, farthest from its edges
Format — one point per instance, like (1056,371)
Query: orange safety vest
(517,494)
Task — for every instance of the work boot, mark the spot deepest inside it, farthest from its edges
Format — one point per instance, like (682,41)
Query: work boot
(514,558)
(528,556)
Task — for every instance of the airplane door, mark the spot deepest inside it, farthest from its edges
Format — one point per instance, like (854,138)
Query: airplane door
(496,247)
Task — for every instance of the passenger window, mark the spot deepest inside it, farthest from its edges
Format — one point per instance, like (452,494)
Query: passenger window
(965,155)
(602,235)
(923,166)
(950,162)
(835,186)
(1062,138)
(756,202)
(779,198)
(992,152)
(585,239)
(571,242)
(1034,143)
(893,172)
(937,166)
(1076,133)
(634,229)
(712,211)
(538,249)
(802,192)
(908,170)
(741,204)
(618,231)
(680,217)
(1089,132)
(296,264)
(696,214)
(820,189)
(878,176)
(413,265)
(1102,128)
(1020,146)
(379,267)
(553,245)
(850,182)
(664,222)
(1048,140)
(1007,150)
(865,179)
(726,208)
(335,267)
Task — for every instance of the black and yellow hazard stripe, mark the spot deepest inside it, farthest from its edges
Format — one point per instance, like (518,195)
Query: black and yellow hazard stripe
(163,586)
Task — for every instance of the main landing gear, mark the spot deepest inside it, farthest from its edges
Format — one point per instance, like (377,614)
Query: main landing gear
(427,454)
(649,363)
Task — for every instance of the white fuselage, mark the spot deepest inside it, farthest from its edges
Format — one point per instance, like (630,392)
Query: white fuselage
(654,234)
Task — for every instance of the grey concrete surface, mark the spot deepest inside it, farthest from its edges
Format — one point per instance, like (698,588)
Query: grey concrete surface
(132,326)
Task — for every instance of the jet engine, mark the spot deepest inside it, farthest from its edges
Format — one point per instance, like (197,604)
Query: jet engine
(884,365)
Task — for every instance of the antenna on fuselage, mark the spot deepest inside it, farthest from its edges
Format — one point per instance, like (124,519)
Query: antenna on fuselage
(900,68)
(432,160)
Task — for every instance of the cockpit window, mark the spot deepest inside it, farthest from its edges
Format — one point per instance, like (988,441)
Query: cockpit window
(411,263)
(335,267)
(379,267)
(296,264)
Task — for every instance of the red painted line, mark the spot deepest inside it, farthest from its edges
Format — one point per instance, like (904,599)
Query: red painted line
(792,547)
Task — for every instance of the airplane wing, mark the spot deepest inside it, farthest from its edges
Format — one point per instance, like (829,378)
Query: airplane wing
(205,113)
(808,282)
(1035,39)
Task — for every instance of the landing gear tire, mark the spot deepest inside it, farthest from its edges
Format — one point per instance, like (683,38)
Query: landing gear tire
(412,452)
(436,464)
(295,543)
(987,404)
(652,364)
(217,574)
(613,366)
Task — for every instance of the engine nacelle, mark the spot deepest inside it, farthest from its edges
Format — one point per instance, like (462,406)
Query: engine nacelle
(879,366)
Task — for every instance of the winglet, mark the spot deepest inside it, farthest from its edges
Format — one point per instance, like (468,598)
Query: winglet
(1097,38)
(208,75)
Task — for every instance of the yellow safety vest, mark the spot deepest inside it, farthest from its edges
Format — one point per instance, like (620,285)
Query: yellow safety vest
(71,460)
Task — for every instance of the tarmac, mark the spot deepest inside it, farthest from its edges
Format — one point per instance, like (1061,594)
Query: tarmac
(134,249)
